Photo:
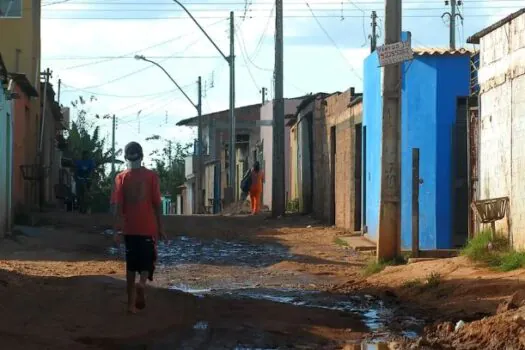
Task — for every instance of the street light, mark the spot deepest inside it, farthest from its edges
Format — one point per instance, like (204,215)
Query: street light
(231,62)
(198,107)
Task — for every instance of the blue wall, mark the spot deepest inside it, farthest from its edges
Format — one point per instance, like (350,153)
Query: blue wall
(372,120)
(430,87)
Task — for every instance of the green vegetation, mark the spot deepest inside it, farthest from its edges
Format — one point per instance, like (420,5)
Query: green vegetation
(433,280)
(293,206)
(374,266)
(340,242)
(85,135)
(412,283)
(494,252)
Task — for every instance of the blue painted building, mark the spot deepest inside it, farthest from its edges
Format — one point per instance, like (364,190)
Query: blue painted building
(6,151)
(435,87)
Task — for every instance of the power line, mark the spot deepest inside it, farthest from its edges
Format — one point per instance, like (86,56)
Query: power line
(241,3)
(263,35)
(79,58)
(134,72)
(319,9)
(245,57)
(72,88)
(217,17)
(133,53)
(333,42)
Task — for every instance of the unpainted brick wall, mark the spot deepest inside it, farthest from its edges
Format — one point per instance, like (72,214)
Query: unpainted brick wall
(334,111)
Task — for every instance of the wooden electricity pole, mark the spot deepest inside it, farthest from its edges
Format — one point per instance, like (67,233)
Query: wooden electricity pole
(278,173)
(388,243)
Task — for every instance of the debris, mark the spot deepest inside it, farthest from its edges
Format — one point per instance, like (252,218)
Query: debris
(459,325)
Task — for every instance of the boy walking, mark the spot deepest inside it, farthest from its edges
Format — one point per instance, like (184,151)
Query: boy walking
(137,202)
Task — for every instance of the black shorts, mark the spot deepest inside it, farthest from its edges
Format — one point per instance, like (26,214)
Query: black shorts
(140,254)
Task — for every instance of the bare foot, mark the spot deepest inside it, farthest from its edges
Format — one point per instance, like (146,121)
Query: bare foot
(141,296)
(132,310)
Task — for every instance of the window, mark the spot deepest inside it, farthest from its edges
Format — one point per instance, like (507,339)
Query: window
(10,8)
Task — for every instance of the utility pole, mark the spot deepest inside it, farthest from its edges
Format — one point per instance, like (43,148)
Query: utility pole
(373,37)
(114,129)
(278,173)
(231,62)
(198,107)
(200,153)
(233,136)
(388,243)
(47,75)
(454,5)
(263,93)
(59,88)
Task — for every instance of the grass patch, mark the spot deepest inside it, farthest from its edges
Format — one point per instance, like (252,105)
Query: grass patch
(494,252)
(374,266)
(412,283)
(433,280)
(340,242)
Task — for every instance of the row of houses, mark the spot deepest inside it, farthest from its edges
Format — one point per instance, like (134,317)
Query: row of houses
(32,123)
(462,110)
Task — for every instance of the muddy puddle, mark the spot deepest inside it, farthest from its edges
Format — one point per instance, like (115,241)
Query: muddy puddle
(189,250)
(381,320)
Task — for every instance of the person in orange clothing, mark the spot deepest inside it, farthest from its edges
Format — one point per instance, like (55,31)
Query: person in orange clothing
(256,188)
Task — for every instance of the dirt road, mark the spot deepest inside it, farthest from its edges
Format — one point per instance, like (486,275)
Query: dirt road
(235,283)
(61,287)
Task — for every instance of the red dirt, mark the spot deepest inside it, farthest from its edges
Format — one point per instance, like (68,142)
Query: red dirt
(57,291)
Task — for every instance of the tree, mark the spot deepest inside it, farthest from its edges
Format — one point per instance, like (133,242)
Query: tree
(84,135)
(169,163)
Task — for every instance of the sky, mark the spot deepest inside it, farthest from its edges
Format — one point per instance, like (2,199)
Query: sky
(90,46)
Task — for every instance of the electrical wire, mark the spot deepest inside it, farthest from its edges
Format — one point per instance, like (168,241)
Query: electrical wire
(263,35)
(333,42)
(240,3)
(79,58)
(149,66)
(244,55)
(217,17)
(132,53)
(72,88)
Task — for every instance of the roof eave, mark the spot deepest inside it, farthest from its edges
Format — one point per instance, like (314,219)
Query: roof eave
(475,39)
(24,84)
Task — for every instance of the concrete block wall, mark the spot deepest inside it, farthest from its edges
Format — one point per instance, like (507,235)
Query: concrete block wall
(502,123)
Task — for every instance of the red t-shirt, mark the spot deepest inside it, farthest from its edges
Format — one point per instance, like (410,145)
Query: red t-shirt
(137,192)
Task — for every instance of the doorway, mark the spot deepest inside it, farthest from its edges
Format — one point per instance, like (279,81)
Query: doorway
(460,194)
(358,171)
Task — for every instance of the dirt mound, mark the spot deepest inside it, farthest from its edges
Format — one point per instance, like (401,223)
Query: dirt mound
(503,331)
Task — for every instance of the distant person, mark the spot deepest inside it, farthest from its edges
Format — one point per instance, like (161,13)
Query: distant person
(256,187)
(137,202)
(84,169)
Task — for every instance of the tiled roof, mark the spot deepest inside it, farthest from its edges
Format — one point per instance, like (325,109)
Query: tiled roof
(440,51)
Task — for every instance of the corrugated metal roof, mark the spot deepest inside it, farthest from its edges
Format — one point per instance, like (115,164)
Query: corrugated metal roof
(474,39)
(441,51)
